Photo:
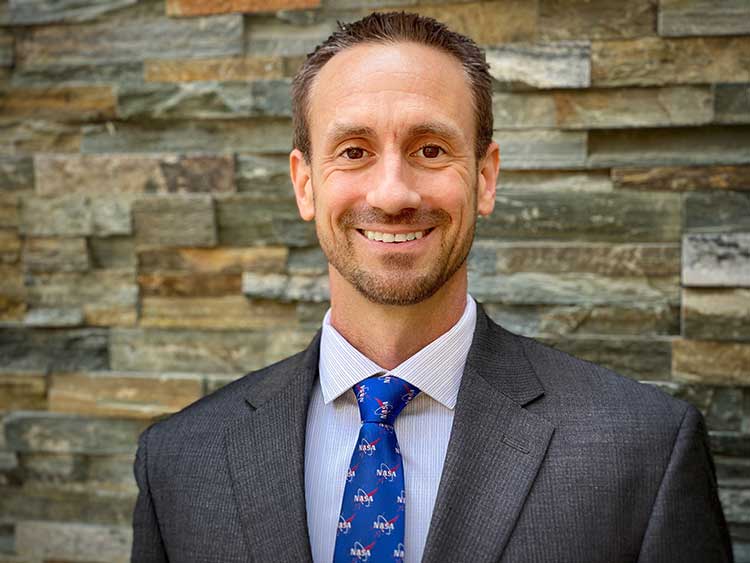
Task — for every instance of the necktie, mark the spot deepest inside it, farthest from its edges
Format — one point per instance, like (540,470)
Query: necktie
(372,519)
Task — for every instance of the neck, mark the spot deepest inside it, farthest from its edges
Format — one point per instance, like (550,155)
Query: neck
(390,334)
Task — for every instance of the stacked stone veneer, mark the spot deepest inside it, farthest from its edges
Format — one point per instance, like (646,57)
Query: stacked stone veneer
(150,249)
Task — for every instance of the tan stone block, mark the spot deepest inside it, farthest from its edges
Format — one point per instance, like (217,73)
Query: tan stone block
(222,260)
(10,246)
(133,174)
(67,102)
(204,272)
(258,67)
(208,7)
(22,390)
(27,136)
(584,19)
(129,395)
(55,255)
(9,215)
(716,314)
(555,181)
(634,107)
(12,293)
(711,362)
(487,23)
(683,178)
(655,61)
(229,312)
(190,285)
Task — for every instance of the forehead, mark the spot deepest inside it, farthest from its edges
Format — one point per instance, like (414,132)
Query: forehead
(385,87)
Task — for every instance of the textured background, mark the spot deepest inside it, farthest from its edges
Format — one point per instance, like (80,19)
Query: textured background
(150,249)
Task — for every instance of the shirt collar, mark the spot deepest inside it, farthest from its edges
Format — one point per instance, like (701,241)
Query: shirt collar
(436,369)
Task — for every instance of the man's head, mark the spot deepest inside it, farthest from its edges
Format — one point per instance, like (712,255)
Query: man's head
(392,178)
(395,27)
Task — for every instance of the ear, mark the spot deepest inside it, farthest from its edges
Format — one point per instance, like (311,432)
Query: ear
(299,170)
(487,180)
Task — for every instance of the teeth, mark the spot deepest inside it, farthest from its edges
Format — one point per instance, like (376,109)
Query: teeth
(390,237)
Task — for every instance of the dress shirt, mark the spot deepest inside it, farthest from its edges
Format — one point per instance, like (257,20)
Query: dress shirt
(422,429)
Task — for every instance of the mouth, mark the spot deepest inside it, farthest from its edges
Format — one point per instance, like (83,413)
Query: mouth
(394,238)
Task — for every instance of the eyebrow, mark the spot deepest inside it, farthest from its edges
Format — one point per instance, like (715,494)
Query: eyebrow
(342,130)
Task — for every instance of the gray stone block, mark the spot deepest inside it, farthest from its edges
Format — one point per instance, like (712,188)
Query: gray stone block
(130,72)
(64,433)
(241,135)
(32,12)
(117,39)
(534,149)
(73,541)
(6,48)
(52,502)
(58,350)
(16,173)
(716,259)
(286,288)
(639,358)
(189,351)
(679,18)
(243,220)
(593,320)
(722,407)
(615,217)
(211,100)
(265,177)
(732,101)
(561,64)
(573,289)
(717,212)
(672,146)
(68,216)
(171,221)
(112,252)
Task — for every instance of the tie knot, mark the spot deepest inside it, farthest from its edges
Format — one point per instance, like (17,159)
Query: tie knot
(382,397)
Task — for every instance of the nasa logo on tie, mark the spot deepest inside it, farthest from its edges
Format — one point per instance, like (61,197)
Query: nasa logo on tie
(373,510)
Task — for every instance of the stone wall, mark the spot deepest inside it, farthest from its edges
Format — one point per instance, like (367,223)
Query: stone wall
(150,249)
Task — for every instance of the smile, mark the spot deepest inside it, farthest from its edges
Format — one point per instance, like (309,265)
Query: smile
(393,237)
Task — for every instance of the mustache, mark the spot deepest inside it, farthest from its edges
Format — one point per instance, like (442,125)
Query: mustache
(372,215)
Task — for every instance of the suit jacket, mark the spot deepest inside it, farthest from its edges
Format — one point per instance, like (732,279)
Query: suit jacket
(550,459)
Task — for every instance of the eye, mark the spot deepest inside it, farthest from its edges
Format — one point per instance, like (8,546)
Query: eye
(353,153)
(430,151)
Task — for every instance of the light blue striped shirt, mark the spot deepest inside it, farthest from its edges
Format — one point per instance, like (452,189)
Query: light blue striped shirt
(423,429)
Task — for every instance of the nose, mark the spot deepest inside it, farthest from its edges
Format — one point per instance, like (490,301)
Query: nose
(393,189)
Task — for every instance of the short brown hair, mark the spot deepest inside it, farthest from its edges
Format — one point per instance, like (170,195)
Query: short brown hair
(393,27)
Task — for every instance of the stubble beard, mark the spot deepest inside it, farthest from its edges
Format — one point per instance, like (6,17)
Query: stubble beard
(393,281)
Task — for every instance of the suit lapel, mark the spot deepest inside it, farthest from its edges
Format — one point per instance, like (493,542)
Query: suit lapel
(266,452)
(494,453)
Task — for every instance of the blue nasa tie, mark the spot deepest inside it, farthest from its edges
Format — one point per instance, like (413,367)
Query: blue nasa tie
(372,518)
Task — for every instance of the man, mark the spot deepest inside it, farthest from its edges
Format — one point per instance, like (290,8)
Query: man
(506,450)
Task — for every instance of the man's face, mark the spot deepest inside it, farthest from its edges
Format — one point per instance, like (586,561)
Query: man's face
(393,183)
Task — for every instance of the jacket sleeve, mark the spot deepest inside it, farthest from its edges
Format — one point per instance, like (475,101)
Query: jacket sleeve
(148,546)
(687,523)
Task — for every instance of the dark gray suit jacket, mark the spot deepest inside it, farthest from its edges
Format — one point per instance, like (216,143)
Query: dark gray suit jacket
(551,459)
